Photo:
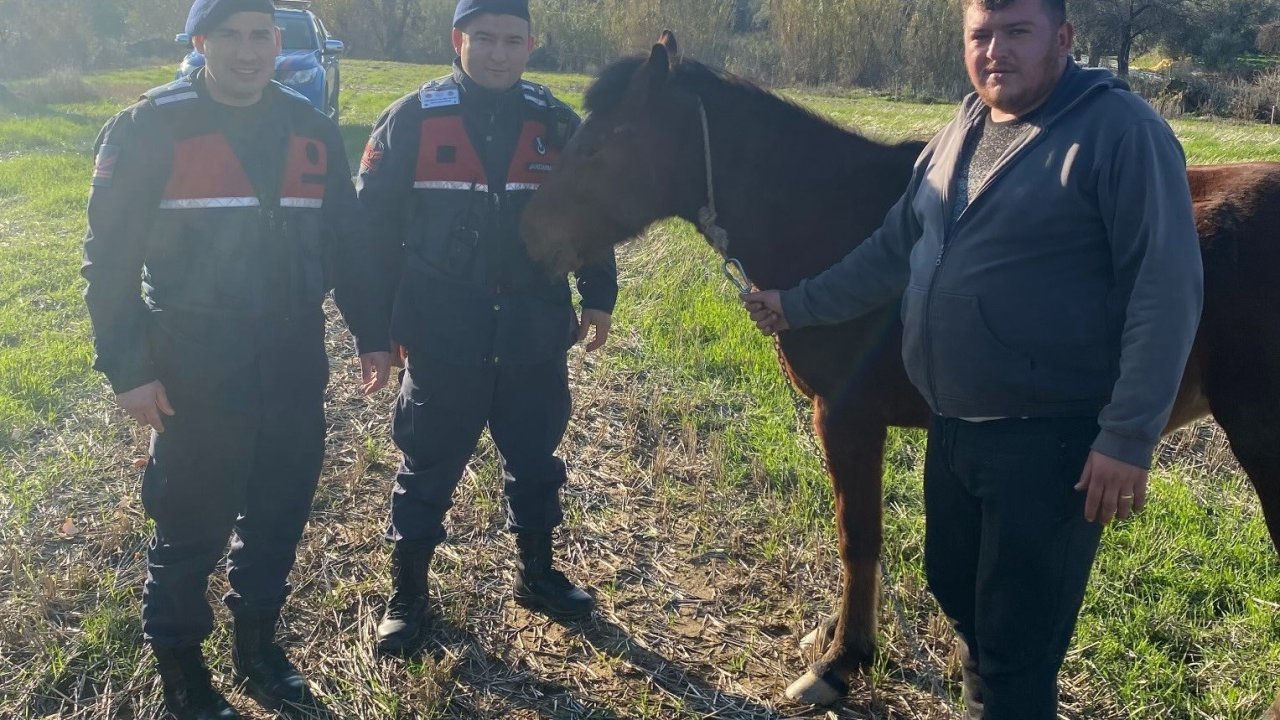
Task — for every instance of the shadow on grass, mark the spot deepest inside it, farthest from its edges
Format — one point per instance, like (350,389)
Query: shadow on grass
(693,689)
(517,690)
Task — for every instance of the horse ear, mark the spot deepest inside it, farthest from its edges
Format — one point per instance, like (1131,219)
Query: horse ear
(659,63)
(668,40)
(650,77)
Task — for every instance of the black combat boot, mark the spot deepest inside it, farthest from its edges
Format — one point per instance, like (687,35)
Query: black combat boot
(188,691)
(971,682)
(261,665)
(400,631)
(541,587)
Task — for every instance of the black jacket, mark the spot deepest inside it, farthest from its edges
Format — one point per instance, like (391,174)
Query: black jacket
(200,213)
(444,178)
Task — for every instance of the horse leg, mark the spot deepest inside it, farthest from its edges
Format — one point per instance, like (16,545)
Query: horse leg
(1240,374)
(855,452)
(1251,420)
(1255,439)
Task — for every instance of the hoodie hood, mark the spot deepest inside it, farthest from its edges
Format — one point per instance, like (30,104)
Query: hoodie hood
(1076,84)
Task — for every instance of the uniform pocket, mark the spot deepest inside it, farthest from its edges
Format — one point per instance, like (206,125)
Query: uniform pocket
(153,482)
(318,259)
(449,233)
(203,358)
(460,250)
(409,405)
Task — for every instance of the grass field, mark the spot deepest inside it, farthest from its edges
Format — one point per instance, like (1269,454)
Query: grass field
(697,506)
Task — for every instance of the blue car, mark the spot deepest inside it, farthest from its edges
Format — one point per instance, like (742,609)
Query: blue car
(308,59)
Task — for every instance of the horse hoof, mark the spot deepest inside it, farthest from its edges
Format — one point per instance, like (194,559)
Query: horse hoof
(813,690)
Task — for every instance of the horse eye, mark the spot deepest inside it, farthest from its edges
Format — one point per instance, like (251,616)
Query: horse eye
(590,146)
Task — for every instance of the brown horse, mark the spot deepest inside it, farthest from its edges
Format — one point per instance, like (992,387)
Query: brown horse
(793,195)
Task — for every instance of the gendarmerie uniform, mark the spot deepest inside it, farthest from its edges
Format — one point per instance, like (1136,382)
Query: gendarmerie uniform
(444,178)
(237,221)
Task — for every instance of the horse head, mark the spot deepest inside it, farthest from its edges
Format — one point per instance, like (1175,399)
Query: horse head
(637,158)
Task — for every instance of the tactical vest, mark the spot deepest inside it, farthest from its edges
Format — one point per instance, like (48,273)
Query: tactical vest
(464,229)
(212,228)
(470,292)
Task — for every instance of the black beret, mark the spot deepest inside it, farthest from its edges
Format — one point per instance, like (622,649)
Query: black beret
(205,15)
(470,8)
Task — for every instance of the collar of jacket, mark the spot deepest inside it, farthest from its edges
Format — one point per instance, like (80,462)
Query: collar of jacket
(199,83)
(476,97)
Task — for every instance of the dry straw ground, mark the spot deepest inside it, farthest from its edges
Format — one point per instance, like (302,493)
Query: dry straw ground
(691,621)
(694,621)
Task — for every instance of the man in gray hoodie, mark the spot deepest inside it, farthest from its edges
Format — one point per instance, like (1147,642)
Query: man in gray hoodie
(1047,263)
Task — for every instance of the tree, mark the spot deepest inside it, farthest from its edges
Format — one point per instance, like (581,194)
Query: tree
(392,22)
(1219,32)
(1268,40)
(1106,27)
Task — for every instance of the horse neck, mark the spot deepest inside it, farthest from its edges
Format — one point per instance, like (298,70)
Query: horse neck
(795,194)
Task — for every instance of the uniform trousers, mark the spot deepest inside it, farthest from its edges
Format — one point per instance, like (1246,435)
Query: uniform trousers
(239,460)
(441,412)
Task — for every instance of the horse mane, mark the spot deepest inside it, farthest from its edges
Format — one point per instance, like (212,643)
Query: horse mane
(718,88)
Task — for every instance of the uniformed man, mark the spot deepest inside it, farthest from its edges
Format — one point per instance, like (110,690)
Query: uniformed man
(230,198)
(443,179)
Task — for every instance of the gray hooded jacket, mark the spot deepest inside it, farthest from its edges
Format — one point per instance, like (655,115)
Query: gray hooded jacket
(1070,286)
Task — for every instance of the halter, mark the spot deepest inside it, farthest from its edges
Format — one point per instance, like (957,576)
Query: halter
(707,216)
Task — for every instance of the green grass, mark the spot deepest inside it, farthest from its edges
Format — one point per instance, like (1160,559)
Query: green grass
(1219,141)
(1181,620)
(44,350)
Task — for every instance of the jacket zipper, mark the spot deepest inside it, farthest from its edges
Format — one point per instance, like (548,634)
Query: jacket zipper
(276,227)
(947,234)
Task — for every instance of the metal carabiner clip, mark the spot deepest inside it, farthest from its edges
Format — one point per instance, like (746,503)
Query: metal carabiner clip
(739,278)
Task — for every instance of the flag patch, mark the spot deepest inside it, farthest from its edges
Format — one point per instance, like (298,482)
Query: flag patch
(104,166)
(372,158)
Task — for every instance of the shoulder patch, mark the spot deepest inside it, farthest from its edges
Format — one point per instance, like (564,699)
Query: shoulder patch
(535,93)
(176,91)
(372,157)
(104,166)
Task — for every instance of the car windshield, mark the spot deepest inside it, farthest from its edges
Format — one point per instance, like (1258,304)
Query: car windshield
(296,31)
